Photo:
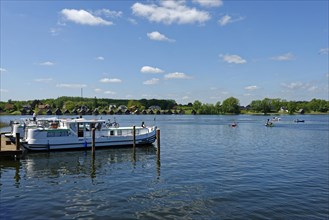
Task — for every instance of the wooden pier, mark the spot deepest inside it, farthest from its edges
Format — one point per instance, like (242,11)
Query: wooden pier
(8,149)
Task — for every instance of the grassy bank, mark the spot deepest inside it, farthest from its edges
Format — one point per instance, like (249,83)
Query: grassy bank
(3,125)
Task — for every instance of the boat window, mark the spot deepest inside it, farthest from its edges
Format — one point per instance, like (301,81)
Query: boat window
(111,132)
(80,129)
(119,132)
(57,133)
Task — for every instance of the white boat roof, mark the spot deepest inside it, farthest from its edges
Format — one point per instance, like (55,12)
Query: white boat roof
(83,120)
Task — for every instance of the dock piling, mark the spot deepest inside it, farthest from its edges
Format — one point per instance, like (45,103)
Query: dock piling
(134,136)
(158,142)
(93,141)
(18,141)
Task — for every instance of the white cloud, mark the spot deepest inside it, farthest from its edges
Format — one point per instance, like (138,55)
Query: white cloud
(83,17)
(110,93)
(107,80)
(324,51)
(155,35)
(97,90)
(132,21)
(251,88)
(284,57)
(45,80)
(227,19)
(152,81)
(176,75)
(55,31)
(300,85)
(108,13)
(233,59)
(224,20)
(209,3)
(100,58)
(47,63)
(4,90)
(71,86)
(149,69)
(2,70)
(169,12)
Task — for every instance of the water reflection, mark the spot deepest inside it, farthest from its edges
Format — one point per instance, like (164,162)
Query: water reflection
(13,164)
(79,163)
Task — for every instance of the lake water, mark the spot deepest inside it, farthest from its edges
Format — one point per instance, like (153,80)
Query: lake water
(208,170)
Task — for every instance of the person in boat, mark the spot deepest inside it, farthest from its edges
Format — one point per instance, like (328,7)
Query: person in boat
(34,116)
(268,123)
(234,124)
(143,125)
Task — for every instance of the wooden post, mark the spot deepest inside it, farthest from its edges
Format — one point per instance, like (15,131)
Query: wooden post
(134,136)
(158,142)
(18,141)
(93,140)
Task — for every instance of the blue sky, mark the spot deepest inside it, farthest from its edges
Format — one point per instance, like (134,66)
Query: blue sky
(206,50)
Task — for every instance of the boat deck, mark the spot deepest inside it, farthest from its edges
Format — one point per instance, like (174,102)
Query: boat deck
(7,148)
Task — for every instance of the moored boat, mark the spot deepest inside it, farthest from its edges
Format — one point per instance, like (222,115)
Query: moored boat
(77,134)
(22,125)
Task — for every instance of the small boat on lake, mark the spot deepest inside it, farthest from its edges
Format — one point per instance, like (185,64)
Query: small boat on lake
(234,124)
(77,134)
(276,119)
(269,123)
(299,121)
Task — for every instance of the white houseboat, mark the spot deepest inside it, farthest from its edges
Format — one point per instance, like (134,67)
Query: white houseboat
(77,133)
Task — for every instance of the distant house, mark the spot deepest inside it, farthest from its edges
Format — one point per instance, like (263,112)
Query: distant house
(112,107)
(49,112)
(75,111)
(23,111)
(123,108)
(66,112)
(58,112)
(301,111)
(127,112)
(283,109)
(137,112)
(43,107)
(144,112)
(95,112)
(154,108)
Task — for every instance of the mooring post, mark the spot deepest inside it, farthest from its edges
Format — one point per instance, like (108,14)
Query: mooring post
(158,142)
(134,136)
(93,140)
(18,141)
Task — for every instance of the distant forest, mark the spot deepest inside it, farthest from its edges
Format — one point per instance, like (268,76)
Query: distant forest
(79,105)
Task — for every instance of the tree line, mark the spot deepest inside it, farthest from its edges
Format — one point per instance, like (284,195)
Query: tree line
(230,105)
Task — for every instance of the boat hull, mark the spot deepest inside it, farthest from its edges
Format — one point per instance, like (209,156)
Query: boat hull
(87,143)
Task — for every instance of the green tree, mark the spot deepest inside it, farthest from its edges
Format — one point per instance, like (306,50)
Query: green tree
(266,105)
(292,107)
(256,105)
(218,108)
(95,103)
(231,105)
(197,106)
(69,105)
